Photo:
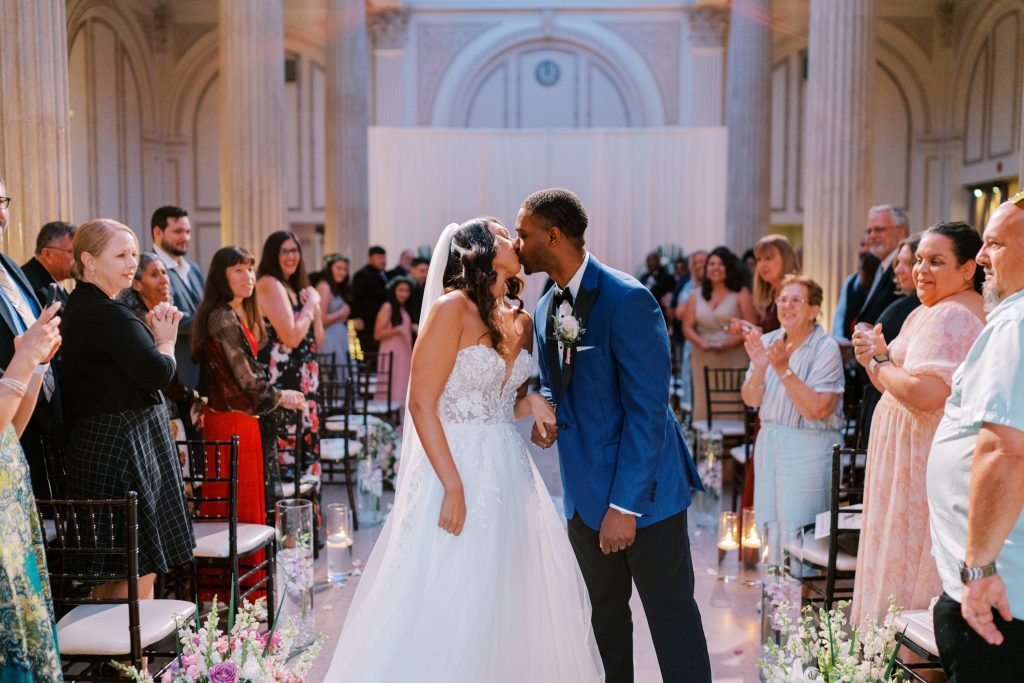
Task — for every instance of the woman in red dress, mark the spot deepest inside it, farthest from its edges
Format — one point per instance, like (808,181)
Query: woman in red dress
(226,334)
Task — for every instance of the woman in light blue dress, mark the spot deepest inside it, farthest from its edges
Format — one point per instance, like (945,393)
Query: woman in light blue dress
(796,380)
(334,307)
(28,631)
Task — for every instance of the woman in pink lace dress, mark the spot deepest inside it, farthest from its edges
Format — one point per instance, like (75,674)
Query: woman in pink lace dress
(914,373)
(393,329)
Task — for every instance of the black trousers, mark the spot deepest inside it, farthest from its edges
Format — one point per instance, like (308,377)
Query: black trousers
(659,563)
(967,657)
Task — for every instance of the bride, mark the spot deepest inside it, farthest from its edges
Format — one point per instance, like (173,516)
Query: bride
(473,578)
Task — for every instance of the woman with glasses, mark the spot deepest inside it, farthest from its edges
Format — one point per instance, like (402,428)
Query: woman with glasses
(914,373)
(294,330)
(796,380)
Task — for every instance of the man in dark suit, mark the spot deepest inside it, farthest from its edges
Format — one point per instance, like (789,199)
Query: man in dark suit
(887,225)
(52,261)
(418,272)
(404,267)
(172,234)
(18,310)
(369,292)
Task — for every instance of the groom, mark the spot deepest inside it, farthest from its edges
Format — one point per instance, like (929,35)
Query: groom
(626,472)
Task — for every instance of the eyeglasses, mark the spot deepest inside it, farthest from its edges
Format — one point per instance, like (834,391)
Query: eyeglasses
(796,300)
(5,202)
(878,229)
(290,252)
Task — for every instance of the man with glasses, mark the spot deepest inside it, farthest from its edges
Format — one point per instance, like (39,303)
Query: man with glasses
(52,262)
(887,225)
(19,308)
(172,234)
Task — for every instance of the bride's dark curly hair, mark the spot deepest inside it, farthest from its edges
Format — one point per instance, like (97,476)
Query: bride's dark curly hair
(471,269)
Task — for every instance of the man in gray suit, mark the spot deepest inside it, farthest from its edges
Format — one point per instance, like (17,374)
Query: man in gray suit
(172,234)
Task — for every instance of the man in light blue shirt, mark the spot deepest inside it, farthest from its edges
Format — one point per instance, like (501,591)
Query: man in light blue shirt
(976,477)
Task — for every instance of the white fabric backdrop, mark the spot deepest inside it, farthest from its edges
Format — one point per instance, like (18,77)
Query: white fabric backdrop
(641,187)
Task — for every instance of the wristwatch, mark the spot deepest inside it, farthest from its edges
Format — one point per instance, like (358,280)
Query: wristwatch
(968,574)
(788,373)
(877,360)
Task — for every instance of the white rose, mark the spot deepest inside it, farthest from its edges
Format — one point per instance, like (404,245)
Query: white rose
(570,328)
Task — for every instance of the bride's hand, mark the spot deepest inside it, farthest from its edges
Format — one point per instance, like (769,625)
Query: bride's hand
(545,429)
(453,511)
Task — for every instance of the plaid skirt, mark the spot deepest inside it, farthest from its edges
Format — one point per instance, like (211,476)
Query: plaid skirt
(112,454)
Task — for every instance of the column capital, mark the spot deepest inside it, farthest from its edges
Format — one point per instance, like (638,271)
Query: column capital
(388,28)
(709,25)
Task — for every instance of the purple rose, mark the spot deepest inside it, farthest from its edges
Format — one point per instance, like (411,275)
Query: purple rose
(225,672)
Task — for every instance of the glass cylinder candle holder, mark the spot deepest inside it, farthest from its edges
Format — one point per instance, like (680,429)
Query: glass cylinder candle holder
(339,542)
(728,531)
(294,576)
(709,468)
(750,539)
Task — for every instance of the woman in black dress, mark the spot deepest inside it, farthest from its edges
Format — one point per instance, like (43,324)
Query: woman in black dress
(114,367)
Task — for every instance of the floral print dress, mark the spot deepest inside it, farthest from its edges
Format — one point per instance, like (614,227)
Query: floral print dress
(28,632)
(297,369)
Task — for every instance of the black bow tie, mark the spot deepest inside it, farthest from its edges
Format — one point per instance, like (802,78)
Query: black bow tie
(563,295)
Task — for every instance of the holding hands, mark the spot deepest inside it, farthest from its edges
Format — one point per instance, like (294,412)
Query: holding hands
(163,320)
(545,424)
(869,342)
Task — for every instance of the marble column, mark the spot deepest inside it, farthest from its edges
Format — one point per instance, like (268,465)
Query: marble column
(388,37)
(252,96)
(34,119)
(347,220)
(708,27)
(748,115)
(838,141)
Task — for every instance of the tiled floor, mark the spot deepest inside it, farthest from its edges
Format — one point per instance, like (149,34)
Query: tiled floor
(729,610)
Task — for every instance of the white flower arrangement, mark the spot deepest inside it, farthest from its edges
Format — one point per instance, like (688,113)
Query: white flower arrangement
(568,330)
(817,647)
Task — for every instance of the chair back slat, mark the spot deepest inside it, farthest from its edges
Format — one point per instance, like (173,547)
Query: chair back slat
(722,393)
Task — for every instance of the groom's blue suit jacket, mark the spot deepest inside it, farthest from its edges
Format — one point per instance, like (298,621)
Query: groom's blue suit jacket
(618,442)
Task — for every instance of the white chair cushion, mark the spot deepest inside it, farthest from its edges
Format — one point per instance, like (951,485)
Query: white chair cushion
(336,423)
(919,628)
(739,454)
(815,551)
(727,427)
(381,407)
(212,538)
(49,529)
(103,629)
(334,449)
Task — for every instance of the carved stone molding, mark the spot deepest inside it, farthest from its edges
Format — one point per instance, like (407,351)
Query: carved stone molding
(709,25)
(658,44)
(437,46)
(389,28)
(162,20)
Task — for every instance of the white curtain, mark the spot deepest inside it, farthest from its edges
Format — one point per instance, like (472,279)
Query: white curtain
(641,187)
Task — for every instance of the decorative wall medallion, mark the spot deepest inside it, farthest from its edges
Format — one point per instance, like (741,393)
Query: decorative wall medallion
(547,73)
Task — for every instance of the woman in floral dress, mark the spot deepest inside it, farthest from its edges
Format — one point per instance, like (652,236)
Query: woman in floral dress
(294,329)
(28,632)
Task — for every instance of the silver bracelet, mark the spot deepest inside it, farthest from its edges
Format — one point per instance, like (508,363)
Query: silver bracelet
(14,385)
(41,369)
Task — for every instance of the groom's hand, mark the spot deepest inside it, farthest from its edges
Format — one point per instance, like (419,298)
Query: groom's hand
(618,531)
(545,438)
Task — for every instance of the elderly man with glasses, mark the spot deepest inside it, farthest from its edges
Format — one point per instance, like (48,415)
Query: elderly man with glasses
(51,264)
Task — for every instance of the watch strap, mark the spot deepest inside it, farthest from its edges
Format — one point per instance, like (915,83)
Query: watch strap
(968,574)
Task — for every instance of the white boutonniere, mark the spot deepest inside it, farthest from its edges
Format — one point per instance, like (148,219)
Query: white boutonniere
(568,330)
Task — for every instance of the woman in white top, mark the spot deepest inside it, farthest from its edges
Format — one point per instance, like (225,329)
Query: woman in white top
(796,380)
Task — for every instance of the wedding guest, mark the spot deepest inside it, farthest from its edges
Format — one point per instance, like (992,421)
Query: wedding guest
(294,330)
(404,266)
(697,261)
(369,292)
(914,373)
(334,307)
(393,329)
(775,260)
(415,304)
(975,478)
(226,337)
(852,295)
(795,379)
(681,277)
(706,319)
(28,634)
(151,286)
(656,278)
(51,264)
(892,320)
(114,368)
(172,234)
(887,225)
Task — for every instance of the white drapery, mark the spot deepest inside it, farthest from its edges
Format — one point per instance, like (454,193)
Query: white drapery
(641,187)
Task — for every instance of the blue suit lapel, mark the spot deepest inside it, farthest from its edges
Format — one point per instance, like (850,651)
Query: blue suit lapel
(550,345)
(589,290)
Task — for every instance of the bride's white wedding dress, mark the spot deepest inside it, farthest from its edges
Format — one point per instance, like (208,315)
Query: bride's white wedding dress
(502,602)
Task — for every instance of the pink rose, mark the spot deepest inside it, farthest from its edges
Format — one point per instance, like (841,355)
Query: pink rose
(225,672)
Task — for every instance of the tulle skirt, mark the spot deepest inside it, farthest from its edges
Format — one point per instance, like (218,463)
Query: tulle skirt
(502,602)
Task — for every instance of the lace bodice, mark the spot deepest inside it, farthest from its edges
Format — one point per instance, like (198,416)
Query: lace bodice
(478,391)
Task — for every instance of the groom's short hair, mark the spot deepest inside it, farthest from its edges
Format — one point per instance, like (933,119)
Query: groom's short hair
(559,207)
